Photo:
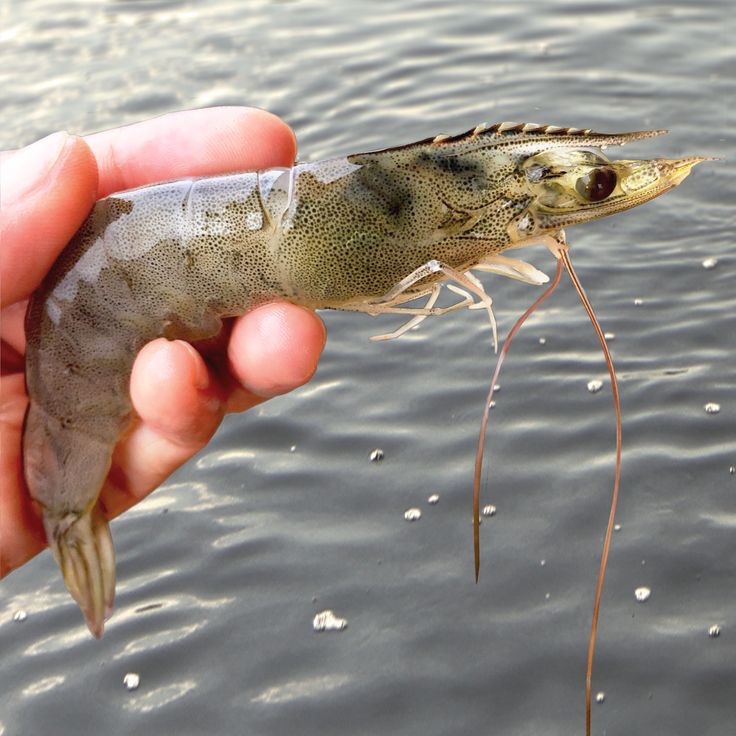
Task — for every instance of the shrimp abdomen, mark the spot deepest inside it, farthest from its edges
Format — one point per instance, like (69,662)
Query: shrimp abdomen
(166,260)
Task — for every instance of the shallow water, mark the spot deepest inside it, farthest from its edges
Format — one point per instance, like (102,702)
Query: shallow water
(222,570)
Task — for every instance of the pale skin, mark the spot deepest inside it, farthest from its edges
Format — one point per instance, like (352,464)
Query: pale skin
(180,393)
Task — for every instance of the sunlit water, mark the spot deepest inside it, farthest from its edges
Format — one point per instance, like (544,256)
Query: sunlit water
(223,570)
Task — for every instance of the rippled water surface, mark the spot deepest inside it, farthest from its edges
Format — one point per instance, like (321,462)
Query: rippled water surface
(222,570)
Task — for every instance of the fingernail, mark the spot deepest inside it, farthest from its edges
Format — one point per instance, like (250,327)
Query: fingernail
(200,375)
(25,170)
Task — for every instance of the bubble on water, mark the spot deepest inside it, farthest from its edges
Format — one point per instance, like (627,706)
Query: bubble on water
(20,616)
(327,621)
(377,455)
(434,499)
(595,386)
(711,407)
(638,302)
(714,631)
(600,697)
(709,263)
(132,680)
(413,514)
(489,510)
(642,594)
(542,340)
(609,336)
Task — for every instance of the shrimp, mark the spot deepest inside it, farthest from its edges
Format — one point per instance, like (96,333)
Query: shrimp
(369,232)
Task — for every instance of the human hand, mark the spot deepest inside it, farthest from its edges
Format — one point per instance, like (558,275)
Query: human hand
(179,393)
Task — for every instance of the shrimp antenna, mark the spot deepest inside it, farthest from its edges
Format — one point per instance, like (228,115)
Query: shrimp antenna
(563,258)
(564,255)
(484,421)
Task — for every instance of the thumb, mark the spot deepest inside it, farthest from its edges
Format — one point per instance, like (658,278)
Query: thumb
(46,191)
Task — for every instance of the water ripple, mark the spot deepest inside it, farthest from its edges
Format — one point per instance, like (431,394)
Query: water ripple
(309,687)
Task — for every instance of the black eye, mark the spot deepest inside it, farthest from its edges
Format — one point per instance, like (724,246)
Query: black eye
(597,185)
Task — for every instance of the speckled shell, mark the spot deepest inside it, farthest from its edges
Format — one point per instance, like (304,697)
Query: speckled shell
(173,259)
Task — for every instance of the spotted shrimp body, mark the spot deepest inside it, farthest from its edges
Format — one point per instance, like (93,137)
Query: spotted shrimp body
(367,232)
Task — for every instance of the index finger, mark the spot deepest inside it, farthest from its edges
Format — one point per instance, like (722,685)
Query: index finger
(200,142)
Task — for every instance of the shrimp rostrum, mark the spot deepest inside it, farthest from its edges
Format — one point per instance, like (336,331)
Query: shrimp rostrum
(369,232)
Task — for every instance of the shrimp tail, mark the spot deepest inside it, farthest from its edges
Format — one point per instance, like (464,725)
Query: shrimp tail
(82,547)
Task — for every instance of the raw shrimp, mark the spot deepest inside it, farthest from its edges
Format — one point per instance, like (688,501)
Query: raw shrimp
(368,232)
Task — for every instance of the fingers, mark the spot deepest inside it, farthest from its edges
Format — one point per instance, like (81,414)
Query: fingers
(191,143)
(21,532)
(48,189)
(274,349)
(178,407)
(12,329)
(180,401)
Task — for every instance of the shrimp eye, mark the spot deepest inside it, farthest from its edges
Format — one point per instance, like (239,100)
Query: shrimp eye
(597,185)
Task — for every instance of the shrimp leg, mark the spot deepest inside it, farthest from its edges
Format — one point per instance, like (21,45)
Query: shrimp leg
(400,293)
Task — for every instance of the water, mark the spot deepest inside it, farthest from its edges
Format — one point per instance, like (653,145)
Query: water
(223,569)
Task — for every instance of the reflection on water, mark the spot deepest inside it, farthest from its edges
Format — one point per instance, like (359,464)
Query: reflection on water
(159,697)
(310,687)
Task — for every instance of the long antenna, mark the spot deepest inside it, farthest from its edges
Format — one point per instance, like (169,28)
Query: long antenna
(614,500)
